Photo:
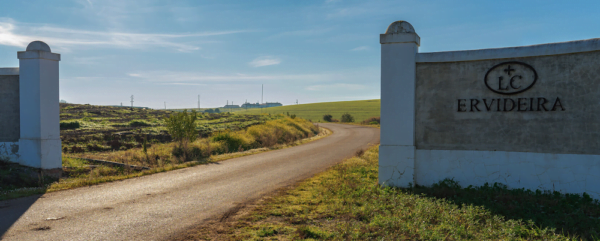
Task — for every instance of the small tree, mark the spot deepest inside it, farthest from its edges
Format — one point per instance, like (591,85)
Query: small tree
(293,116)
(327,117)
(217,110)
(182,127)
(347,118)
(209,111)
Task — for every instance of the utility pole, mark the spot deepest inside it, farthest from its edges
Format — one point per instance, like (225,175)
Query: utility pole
(296,101)
(262,92)
(165,105)
(131,101)
(198,102)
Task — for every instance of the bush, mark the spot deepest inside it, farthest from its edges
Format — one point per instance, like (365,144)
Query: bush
(372,121)
(69,125)
(328,118)
(347,118)
(234,141)
(182,127)
(136,123)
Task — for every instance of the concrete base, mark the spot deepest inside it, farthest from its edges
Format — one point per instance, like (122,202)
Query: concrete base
(9,151)
(54,173)
(45,154)
(566,173)
(396,165)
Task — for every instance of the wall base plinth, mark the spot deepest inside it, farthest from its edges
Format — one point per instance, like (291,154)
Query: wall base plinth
(396,165)
(40,153)
(565,173)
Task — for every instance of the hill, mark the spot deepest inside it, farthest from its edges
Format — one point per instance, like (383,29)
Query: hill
(360,109)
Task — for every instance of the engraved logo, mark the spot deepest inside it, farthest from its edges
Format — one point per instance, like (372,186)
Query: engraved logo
(510,78)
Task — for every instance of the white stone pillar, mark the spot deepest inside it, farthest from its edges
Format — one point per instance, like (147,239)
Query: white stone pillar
(399,47)
(39,144)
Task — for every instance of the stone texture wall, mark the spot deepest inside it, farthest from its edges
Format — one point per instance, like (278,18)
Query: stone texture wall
(9,108)
(573,127)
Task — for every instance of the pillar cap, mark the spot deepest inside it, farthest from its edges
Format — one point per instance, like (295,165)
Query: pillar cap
(38,50)
(38,46)
(400,32)
(400,27)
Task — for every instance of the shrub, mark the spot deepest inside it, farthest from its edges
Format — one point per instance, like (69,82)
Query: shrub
(182,127)
(69,125)
(135,123)
(347,118)
(293,116)
(233,140)
(328,118)
(372,121)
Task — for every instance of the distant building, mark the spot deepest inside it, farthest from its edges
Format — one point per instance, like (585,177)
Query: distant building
(263,105)
(231,106)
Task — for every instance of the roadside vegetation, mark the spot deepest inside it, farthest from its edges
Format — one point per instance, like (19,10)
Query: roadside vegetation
(91,129)
(271,133)
(346,203)
(186,139)
(360,110)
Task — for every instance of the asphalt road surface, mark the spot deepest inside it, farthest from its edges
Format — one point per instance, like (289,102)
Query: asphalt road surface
(156,206)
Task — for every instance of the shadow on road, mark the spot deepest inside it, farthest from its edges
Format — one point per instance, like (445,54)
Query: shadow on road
(12,210)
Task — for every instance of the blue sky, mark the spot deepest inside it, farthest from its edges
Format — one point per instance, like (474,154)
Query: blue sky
(313,51)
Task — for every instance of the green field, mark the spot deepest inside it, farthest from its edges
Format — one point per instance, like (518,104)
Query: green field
(360,109)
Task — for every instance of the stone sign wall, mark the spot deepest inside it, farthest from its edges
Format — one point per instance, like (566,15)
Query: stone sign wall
(9,107)
(556,109)
(527,117)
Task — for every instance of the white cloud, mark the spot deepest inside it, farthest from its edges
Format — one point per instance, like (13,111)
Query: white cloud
(265,61)
(339,86)
(13,34)
(361,48)
(181,77)
(346,76)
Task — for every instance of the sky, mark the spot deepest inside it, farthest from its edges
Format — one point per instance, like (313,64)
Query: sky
(310,51)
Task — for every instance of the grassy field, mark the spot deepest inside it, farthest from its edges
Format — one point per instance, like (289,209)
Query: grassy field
(360,109)
(345,203)
(139,137)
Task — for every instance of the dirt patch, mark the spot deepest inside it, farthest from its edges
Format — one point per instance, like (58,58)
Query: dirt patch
(224,226)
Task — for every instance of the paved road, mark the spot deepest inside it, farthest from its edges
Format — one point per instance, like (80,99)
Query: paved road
(155,206)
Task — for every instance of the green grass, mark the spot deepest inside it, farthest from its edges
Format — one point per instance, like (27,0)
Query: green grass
(360,109)
(18,181)
(346,203)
